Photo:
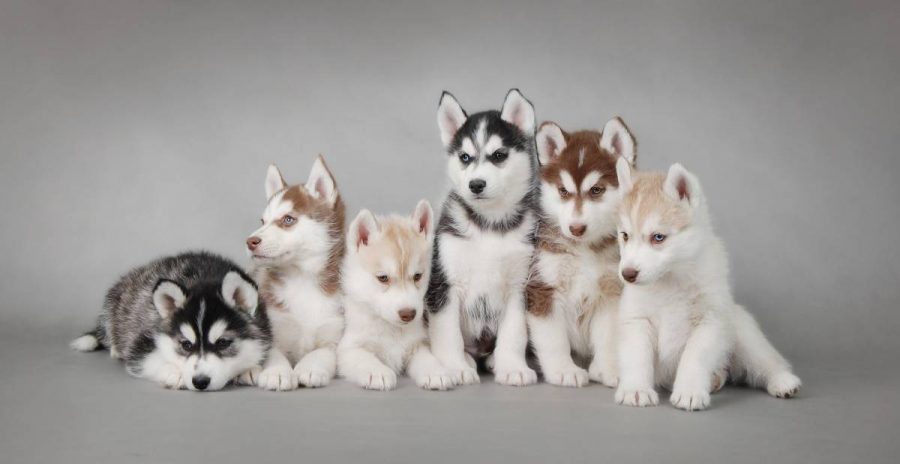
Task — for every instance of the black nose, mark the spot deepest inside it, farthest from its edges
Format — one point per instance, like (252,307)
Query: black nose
(200,382)
(630,274)
(477,185)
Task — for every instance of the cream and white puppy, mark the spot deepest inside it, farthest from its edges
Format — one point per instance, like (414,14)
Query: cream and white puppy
(385,276)
(679,325)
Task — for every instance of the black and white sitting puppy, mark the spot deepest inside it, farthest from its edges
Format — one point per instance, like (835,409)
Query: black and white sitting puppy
(191,321)
(484,241)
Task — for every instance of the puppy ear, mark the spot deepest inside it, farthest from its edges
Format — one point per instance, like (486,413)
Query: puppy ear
(424,217)
(362,229)
(551,141)
(450,117)
(274,181)
(518,111)
(681,185)
(321,183)
(617,139)
(239,292)
(623,172)
(168,297)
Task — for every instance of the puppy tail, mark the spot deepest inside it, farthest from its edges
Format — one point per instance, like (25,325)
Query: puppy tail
(762,365)
(90,341)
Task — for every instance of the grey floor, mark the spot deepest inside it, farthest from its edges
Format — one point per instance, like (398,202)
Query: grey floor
(61,406)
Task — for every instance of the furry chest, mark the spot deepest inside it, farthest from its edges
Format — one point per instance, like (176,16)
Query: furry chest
(487,263)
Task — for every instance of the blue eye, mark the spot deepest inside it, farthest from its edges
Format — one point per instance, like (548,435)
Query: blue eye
(465,158)
(658,238)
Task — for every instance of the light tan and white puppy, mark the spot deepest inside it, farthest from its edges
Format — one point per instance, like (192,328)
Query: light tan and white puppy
(385,276)
(573,292)
(679,325)
(297,255)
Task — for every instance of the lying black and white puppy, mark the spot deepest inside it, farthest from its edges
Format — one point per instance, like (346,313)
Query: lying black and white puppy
(191,321)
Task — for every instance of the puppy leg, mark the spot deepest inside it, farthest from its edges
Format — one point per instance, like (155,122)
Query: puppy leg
(276,374)
(317,368)
(554,352)
(764,365)
(510,367)
(427,371)
(447,344)
(705,353)
(365,369)
(637,356)
(604,365)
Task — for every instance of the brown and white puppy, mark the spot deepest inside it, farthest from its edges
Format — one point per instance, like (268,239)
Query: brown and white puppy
(385,277)
(574,288)
(297,255)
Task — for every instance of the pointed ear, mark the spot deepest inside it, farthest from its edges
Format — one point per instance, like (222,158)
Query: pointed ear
(450,117)
(681,185)
(362,229)
(321,183)
(551,141)
(617,139)
(274,181)
(518,111)
(168,297)
(424,217)
(623,172)
(239,292)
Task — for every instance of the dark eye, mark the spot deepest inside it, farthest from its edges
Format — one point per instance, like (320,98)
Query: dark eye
(597,190)
(186,345)
(417,277)
(625,236)
(499,156)
(563,192)
(383,279)
(658,238)
(288,220)
(465,158)
(223,344)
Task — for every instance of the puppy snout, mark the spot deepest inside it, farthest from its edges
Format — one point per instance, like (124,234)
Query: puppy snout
(629,274)
(200,382)
(477,186)
(578,229)
(407,315)
(253,242)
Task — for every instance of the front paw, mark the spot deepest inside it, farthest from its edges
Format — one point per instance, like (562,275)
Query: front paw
(465,375)
(170,377)
(440,380)
(640,397)
(516,377)
(249,377)
(380,379)
(572,376)
(783,385)
(279,378)
(690,400)
(312,378)
(598,374)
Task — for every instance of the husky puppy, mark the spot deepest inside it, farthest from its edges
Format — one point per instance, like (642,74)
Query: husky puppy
(485,240)
(385,276)
(189,321)
(573,293)
(296,257)
(679,325)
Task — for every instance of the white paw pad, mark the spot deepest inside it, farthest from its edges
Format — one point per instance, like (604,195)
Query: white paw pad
(697,400)
(277,379)
(380,380)
(312,378)
(567,377)
(516,377)
(640,397)
(249,377)
(170,377)
(784,385)
(436,381)
(464,376)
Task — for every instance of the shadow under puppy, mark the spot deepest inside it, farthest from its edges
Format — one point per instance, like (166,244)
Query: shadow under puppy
(190,321)
(385,276)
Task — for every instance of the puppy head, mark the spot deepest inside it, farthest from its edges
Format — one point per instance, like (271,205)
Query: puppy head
(389,262)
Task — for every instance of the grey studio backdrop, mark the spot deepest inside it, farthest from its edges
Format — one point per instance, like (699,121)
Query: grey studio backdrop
(132,129)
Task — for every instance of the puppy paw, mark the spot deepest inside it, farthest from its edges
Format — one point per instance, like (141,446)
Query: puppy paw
(312,378)
(640,397)
(718,380)
(696,400)
(170,377)
(572,376)
(440,380)
(784,385)
(380,379)
(598,374)
(520,377)
(464,375)
(277,379)
(248,377)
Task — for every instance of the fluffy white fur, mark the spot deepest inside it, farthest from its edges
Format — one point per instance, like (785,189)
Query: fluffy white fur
(679,325)
(378,345)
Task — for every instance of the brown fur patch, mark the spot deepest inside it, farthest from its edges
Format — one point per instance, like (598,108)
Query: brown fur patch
(647,198)
(539,296)
(571,160)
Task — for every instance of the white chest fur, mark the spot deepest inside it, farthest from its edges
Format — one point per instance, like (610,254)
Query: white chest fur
(306,319)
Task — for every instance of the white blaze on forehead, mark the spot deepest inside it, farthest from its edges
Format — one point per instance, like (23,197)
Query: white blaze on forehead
(581,158)
(567,181)
(188,332)
(493,143)
(481,133)
(469,147)
(589,181)
(278,207)
(216,331)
